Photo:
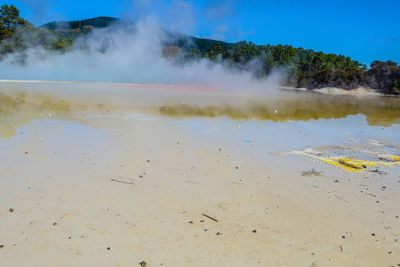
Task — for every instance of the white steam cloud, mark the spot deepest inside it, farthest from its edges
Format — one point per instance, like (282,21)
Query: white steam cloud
(116,55)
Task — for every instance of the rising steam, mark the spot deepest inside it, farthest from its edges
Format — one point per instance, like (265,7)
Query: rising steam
(127,55)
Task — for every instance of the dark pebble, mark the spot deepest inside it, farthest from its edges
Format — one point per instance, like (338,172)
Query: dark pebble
(254,231)
(1,246)
(373,234)
(143,263)
(54,224)
(11,210)
(191,222)
(108,248)
(343,236)
(218,233)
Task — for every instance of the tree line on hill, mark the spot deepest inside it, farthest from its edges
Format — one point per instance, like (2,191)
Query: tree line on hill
(303,67)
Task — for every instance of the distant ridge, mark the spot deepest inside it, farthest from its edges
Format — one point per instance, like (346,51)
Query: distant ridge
(72,28)
(97,22)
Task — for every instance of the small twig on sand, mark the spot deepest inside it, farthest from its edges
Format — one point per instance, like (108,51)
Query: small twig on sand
(209,217)
(119,181)
(341,198)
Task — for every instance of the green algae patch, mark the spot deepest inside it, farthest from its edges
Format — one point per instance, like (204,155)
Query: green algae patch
(54,105)
(208,111)
(19,109)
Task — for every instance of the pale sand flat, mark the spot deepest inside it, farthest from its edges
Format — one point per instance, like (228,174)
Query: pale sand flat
(62,178)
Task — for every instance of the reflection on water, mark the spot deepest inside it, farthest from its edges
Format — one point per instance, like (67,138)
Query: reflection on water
(17,109)
(380,111)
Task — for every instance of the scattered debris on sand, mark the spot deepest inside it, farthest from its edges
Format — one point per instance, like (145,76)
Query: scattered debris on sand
(379,172)
(311,172)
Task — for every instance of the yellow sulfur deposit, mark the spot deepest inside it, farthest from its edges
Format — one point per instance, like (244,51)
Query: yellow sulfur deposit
(356,165)
(353,165)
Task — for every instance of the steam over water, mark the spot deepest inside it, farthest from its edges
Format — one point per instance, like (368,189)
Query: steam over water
(128,54)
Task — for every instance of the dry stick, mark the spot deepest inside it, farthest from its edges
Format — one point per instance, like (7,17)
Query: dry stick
(341,198)
(209,217)
(115,180)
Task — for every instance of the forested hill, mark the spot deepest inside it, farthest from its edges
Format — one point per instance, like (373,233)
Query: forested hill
(99,22)
(303,67)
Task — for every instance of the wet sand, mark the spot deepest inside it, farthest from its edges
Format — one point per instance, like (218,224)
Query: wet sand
(106,182)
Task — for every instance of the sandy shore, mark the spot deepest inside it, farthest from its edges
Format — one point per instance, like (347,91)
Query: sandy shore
(124,187)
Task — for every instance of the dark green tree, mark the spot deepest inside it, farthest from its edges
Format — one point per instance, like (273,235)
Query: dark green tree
(9,21)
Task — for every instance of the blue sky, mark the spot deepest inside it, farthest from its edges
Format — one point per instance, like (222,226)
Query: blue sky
(365,30)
